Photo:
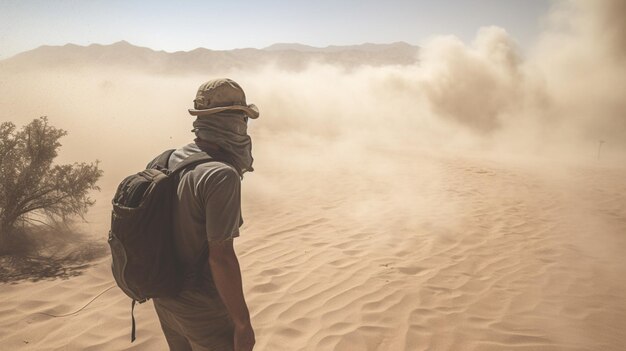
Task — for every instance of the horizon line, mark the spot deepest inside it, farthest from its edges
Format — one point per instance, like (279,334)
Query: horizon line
(123,41)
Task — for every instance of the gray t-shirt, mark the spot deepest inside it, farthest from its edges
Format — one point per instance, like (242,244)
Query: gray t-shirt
(207,205)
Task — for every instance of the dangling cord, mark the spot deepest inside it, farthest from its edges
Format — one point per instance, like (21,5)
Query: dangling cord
(80,309)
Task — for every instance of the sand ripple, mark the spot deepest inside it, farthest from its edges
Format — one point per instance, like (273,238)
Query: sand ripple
(448,254)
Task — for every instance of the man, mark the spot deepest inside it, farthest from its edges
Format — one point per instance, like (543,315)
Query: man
(211,312)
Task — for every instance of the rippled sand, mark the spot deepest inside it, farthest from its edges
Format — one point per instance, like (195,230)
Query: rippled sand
(406,252)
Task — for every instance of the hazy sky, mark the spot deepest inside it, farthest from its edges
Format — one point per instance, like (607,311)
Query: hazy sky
(185,25)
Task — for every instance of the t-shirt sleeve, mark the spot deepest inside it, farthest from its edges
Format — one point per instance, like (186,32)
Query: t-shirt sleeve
(223,206)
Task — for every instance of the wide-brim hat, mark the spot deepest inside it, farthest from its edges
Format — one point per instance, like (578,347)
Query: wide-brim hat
(221,95)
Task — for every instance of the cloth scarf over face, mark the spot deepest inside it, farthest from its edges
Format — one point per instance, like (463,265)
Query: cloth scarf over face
(229,131)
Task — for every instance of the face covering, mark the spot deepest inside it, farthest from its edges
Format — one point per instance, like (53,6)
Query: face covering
(229,131)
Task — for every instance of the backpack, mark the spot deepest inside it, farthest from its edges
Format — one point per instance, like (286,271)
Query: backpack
(145,264)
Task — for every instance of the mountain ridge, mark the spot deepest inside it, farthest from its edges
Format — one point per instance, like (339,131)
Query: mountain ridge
(293,56)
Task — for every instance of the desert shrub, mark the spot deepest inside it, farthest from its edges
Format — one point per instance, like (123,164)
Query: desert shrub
(34,190)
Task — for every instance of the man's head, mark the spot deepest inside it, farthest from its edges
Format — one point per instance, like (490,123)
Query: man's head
(221,122)
(220,95)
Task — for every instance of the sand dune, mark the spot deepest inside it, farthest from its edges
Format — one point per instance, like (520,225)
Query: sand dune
(456,253)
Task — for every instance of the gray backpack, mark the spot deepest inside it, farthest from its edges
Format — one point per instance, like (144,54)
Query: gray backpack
(145,264)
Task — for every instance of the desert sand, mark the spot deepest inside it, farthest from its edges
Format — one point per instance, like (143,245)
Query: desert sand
(457,202)
(410,252)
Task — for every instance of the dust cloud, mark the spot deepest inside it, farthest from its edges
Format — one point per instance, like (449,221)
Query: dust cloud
(559,100)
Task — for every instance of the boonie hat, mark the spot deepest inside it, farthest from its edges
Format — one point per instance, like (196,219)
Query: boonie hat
(221,95)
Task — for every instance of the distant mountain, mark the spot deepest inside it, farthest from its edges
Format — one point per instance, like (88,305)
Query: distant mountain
(289,56)
(367,47)
(292,47)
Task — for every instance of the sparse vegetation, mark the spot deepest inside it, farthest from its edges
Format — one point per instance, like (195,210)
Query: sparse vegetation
(33,190)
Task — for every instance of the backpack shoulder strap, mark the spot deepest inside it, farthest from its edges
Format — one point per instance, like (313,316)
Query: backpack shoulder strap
(161,161)
(193,160)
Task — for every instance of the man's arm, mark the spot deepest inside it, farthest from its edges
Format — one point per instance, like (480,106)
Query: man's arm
(227,277)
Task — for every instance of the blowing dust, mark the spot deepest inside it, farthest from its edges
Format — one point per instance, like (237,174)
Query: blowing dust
(562,99)
(562,102)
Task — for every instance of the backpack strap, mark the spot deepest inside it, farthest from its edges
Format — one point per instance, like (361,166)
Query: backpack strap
(193,160)
(132,316)
(160,162)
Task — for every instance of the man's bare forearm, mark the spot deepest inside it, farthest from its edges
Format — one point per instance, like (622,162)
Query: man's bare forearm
(227,277)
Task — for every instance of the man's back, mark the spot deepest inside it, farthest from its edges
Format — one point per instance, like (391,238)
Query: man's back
(207,209)
(207,206)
